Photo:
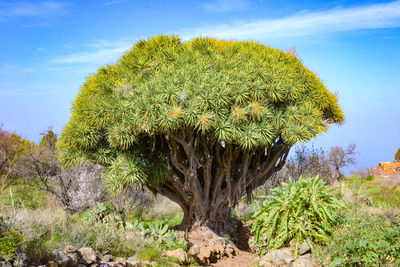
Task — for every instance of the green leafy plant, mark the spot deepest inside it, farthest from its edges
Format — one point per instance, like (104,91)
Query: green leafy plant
(102,213)
(304,210)
(149,254)
(366,241)
(10,240)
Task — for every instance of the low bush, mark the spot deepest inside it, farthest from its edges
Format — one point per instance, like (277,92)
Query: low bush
(304,210)
(366,241)
(149,254)
(10,240)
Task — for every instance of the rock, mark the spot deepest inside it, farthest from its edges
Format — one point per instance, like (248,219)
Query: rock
(70,249)
(120,261)
(304,248)
(280,257)
(107,258)
(74,259)
(205,254)
(5,264)
(307,256)
(283,254)
(81,265)
(133,262)
(193,251)
(302,263)
(61,258)
(88,255)
(94,265)
(269,257)
(21,260)
(230,251)
(51,264)
(179,254)
(132,258)
(264,263)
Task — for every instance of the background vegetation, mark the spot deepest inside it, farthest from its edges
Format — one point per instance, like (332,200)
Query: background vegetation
(347,221)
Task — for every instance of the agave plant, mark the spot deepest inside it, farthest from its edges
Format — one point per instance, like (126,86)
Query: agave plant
(303,210)
(157,233)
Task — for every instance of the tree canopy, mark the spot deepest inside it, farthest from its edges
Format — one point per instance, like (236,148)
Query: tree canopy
(204,98)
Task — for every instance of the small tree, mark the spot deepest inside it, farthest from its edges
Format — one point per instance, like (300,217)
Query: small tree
(12,147)
(397,156)
(203,122)
(340,157)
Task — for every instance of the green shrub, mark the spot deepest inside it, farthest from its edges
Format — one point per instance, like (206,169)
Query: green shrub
(149,254)
(386,197)
(10,240)
(366,241)
(304,210)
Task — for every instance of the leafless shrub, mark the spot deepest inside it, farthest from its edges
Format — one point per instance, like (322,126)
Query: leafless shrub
(77,188)
(341,157)
(306,161)
(310,162)
(85,186)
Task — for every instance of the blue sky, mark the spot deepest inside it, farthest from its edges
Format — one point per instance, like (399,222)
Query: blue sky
(48,48)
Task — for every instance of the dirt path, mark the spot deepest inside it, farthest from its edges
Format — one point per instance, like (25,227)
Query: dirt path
(244,258)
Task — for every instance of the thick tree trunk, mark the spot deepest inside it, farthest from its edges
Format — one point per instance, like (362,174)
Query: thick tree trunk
(207,179)
(213,217)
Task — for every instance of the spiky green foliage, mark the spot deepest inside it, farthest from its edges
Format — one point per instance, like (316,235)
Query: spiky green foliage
(243,93)
(302,210)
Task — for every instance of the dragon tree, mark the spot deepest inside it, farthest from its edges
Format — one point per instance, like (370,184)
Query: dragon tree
(202,122)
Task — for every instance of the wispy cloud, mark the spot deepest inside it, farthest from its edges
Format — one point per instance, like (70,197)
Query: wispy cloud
(114,2)
(14,69)
(373,16)
(219,6)
(24,93)
(9,10)
(99,52)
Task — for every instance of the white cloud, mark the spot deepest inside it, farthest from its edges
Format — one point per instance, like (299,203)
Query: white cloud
(225,5)
(100,52)
(9,10)
(374,16)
